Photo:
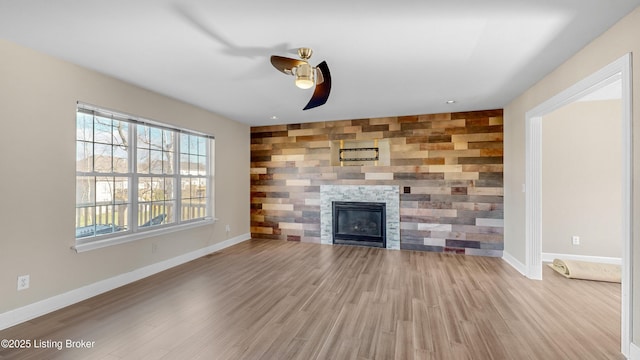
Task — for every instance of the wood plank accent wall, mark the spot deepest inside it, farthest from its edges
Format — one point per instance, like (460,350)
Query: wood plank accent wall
(449,168)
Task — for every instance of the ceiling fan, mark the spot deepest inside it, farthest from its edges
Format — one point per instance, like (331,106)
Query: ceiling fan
(306,75)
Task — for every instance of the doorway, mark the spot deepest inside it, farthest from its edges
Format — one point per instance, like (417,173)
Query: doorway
(581,177)
(619,70)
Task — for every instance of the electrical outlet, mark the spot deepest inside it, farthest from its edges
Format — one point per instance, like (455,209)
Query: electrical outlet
(575,240)
(23,282)
(228,228)
(154,248)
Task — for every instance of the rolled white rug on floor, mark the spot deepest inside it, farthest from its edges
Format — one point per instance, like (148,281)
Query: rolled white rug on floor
(573,269)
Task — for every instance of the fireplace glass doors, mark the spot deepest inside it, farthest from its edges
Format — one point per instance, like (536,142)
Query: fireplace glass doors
(359,223)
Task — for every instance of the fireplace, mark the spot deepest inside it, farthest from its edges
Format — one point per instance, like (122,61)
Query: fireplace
(389,195)
(359,223)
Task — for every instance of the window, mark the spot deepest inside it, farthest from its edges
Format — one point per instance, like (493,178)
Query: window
(136,176)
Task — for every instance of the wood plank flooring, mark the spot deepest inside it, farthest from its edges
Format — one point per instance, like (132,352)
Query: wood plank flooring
(286,300)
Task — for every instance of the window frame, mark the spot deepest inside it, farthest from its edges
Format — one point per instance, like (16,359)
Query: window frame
(134,230)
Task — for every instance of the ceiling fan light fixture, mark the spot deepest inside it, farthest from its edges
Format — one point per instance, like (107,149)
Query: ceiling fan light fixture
(304,76)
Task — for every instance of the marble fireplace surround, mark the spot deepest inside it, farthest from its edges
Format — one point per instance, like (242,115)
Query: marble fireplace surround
(388,194)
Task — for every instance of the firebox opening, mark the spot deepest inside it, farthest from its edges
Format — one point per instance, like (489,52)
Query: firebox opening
(359,223)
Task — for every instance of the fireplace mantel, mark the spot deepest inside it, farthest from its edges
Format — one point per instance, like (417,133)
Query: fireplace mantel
(388,194)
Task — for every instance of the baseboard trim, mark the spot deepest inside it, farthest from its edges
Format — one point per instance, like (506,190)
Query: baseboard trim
(548,257)
(515,263)
(31,311)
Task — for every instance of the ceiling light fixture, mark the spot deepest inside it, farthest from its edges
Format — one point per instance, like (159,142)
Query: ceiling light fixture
(304,76)
(450,101)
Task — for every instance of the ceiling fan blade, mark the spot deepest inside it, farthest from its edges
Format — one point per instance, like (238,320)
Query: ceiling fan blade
(285,64)
(321,93)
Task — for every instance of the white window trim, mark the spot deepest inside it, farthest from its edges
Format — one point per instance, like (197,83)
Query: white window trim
(102,243)
(135,232)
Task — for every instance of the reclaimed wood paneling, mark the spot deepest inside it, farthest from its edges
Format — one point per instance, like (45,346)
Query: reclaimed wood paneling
(448,166)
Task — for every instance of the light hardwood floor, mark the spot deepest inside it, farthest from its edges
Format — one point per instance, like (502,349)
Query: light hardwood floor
(285,300)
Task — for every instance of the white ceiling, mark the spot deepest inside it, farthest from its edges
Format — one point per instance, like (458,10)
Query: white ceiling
(387,58)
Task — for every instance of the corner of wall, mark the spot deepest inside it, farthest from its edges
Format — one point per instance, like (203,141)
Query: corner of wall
(515,263)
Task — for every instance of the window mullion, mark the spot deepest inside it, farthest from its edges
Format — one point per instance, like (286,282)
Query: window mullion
(178,179)
(133,176)
(209,180)
(113,180)
(94,196)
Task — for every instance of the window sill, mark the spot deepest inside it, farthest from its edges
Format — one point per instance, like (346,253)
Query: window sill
(99,244)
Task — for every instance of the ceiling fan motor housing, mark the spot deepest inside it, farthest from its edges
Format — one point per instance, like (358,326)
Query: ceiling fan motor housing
(305,53)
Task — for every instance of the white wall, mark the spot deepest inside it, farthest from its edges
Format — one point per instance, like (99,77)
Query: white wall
(581,179)
(620,39)
(38,97)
